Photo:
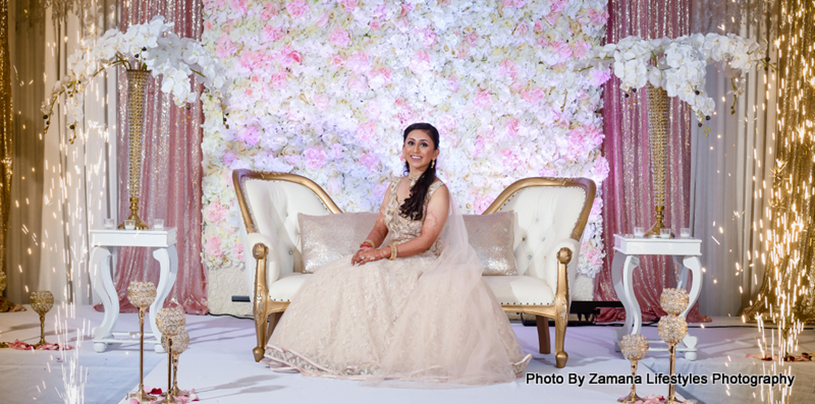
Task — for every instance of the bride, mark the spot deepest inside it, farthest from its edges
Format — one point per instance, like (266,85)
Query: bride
(413,308)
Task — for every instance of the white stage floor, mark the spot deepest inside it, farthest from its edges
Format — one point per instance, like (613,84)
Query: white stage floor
(219,365)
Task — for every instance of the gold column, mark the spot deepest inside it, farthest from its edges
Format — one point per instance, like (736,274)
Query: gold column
(787,295)
(6,150)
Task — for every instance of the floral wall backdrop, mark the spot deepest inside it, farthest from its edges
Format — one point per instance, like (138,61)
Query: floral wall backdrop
(324,89)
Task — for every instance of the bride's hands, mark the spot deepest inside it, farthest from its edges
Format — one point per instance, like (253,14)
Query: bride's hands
(367,254)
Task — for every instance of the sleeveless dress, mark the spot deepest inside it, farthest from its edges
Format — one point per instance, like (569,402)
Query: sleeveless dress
(342,322)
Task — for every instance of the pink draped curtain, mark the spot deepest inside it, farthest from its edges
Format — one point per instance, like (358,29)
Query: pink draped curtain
(627,192)
(171,169)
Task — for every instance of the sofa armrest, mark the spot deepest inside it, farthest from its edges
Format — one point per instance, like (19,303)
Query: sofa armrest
(271,272)
(549,270)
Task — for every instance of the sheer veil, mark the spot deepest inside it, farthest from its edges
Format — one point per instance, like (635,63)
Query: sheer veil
(450,330)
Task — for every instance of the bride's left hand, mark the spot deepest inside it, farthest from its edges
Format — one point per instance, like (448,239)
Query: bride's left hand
(366,255)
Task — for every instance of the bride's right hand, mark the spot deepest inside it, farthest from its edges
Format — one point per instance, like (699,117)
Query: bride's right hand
(359,257)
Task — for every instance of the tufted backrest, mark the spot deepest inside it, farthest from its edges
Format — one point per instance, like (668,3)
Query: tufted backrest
(547,210)
(270,203)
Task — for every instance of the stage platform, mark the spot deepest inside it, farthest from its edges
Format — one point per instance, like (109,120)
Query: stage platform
(219,365)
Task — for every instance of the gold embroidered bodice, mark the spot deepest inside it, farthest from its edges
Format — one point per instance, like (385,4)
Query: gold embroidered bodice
(402,229)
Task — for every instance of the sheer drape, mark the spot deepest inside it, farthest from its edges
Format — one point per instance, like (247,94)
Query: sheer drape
(62,188)
(171,169)
(628,190)
(731,166)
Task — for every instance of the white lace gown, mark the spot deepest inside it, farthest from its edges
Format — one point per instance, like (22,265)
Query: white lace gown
(392,320)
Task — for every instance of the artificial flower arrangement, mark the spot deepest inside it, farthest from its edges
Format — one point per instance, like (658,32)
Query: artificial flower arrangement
(677,65)
(147,47)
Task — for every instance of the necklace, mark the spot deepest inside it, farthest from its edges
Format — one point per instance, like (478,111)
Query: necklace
(413,179)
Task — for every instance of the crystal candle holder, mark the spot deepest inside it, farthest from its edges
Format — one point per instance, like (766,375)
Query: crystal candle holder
(141,295)
(170,321)
(42,301)
(633,347)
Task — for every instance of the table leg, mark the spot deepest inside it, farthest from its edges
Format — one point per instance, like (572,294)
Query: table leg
(103,286)
(691,263)
(622,271)
(168,262)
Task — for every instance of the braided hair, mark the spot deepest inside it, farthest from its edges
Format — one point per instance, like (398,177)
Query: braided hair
(413,207)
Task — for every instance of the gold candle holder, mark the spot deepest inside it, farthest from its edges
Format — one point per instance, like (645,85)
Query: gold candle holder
(136,84)
(141,295)
(180,342)
(672,329)
(42,301)
(634,347)
(170,321)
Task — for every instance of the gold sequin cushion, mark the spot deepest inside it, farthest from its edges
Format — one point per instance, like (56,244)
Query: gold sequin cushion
(493,238)
(326,238)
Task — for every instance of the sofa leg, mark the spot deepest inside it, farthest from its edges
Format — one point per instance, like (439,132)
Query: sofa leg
(273,319)
(544,344)
(260,331)
(560,336)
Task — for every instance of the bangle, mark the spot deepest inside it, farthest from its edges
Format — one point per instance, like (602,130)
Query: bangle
(369,243)
(393,252)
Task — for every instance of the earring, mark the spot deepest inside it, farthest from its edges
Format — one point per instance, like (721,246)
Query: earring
(432,163)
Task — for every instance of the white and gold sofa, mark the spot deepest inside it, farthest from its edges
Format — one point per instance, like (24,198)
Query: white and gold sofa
(550,215)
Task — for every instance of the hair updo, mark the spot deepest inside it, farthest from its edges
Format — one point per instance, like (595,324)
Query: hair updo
(413,207)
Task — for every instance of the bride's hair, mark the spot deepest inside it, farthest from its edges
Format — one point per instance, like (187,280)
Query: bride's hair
(413,207)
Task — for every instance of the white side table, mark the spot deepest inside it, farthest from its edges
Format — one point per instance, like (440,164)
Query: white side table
(102,243)
(685,253)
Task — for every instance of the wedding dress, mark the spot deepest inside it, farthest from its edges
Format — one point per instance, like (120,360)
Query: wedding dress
(427,317)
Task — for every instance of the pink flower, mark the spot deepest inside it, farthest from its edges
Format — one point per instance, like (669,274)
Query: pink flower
(349,5)
(215,212)
(365,133)
(453,84)
(239,6)
(482,202)
(355,83)
(293,160)
(279,79)
(538,26)
(379,191)
(338,60)
(288,56)
(315,157)
(375,25)
(514,3)
(562,49)
(512,127)
(471,38)
(340,37)
(229,157)
(358,63)
(597,207)
(248,135)
(522,28)
(508,69)
(579,48)
(548,172)
(601,169)
(321,101)
(598,77)
(598,18)
(224,47)
(213,247)
(207,25)
(296,8)
(380,76)
(427,36)
(370,161)
(272,34)
(483,99)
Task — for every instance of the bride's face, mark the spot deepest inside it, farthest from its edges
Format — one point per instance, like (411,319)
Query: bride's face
(419,150)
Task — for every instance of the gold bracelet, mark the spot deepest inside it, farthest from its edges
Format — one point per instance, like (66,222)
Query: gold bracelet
(369,243)
(393,252)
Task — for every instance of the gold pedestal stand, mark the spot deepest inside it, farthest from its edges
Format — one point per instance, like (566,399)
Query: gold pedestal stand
(658,105)
(174,340)
(633,347)
(136,81)
(141,295)
(42,301)
(672,329)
